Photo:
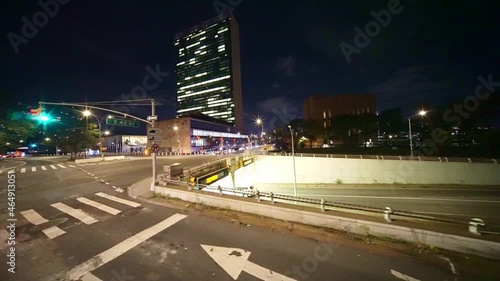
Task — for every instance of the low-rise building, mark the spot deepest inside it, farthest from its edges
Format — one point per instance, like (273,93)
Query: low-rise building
(197,133)
(125,143)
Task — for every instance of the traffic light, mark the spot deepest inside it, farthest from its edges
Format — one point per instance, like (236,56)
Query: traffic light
(39,115)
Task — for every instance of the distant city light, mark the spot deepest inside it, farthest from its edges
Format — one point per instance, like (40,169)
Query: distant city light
(47,139)
(106,133)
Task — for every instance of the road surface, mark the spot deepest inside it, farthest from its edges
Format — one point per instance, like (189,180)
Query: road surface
(73,225)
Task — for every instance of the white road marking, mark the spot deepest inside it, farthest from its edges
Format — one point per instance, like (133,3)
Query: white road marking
(99,206)
(403,276)
(33,169)
(71,166)
(401,198)
(79,215)
(120,190)
(234,264)
(62,166)
(117,199)
(97,261)
(90,277)
(53,231)
(11,171)
(53,167)
(33,217)
(23,170)
(43,168)
(1,171)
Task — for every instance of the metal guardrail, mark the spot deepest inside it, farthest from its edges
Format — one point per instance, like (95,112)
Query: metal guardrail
(384,157)
(475,225)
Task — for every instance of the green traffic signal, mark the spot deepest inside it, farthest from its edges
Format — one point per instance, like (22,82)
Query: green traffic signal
(43,118)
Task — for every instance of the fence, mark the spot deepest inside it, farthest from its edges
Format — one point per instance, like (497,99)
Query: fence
(383,157)
(475,225)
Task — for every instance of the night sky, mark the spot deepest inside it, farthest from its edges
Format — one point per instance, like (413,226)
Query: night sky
(431,52)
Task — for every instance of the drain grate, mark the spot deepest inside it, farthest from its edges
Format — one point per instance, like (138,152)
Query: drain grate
(132,212)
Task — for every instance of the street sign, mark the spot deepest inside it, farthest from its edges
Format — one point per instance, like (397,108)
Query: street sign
(152,118)
(151,138)
(154,132)
(122,122)
(155,148)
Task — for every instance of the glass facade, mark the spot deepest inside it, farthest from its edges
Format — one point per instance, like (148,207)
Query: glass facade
(204,71)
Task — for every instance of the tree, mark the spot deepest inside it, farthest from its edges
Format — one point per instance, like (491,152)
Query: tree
(366,125)
(78,140)
(13,131)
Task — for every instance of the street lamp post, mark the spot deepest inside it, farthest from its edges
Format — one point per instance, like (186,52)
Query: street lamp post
(293,160)
(87,113)
(421,113)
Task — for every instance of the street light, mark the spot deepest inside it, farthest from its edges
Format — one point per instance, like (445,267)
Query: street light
(21,141)
(47,139)
(293,160)
(421,113)
(106,133)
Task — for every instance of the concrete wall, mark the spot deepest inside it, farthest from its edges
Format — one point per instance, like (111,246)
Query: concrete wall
(279,169)
(435,239)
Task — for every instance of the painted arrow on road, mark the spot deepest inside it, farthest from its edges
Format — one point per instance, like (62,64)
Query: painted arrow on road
(234,261)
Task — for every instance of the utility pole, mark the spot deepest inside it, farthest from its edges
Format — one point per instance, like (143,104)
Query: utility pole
(153,113)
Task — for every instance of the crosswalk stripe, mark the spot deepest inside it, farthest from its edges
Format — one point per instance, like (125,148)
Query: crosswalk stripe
(1,171)
(62,166)
(33,169)
(23,170)
(33,217)
(43,168)
(71,166)
(53,231)
(99,206)
(53,167)
(117,199)
(11,171)
(90,277)
(77,214)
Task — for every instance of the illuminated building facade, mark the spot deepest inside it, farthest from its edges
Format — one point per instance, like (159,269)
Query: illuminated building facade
(208,71)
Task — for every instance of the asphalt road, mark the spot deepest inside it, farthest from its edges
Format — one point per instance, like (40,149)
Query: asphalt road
(73,225)
(467,202)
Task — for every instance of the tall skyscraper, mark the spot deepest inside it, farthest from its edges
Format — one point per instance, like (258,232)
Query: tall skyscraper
(208,70)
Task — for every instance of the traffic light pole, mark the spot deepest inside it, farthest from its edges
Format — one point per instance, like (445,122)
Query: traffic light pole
(153,113)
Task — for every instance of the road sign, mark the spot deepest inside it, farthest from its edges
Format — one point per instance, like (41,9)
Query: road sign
(155,148)
(152,118)
(122,122)
(234,261)
(151,138)
(154,132)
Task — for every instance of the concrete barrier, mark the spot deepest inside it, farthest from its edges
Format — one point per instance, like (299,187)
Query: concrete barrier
(114,158)
(88,160)
(430,238)
(311,170)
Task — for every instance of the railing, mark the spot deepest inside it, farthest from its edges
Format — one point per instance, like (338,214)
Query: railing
(383,157)
(475,225)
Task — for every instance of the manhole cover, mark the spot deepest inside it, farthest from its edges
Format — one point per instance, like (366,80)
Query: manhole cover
(132,212)
(23,237)
(54,222)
